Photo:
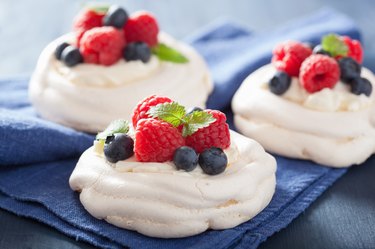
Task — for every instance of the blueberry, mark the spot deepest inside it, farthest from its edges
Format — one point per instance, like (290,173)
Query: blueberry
(350,69)
(116,17)
(279,83)
(118,147)
(185,158)
(193,109)
(59,49)
(213,161)
(318,49)
(71,56)
(137,51)
(361,85)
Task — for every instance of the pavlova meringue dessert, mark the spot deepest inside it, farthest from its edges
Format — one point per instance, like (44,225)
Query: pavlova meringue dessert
(311,104)
(96,74)
(174,173)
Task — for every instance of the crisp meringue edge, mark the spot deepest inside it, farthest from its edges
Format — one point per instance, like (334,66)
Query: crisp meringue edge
(43,75)
(337,152)
(223,217)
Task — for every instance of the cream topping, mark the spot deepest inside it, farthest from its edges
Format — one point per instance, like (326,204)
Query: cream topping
(89,96)
(288,127)
(339,98)
(157,200)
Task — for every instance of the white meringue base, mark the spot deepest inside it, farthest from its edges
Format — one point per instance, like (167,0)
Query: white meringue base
(284,127)
(88,97)
(157,200)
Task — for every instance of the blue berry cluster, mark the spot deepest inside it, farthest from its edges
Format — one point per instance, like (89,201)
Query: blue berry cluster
(68,54)
(117,17)
(213,161)
(351,75)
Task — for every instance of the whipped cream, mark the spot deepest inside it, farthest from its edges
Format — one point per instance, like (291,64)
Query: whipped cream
(89,96)
(339,98)
(158,200)
(332,127)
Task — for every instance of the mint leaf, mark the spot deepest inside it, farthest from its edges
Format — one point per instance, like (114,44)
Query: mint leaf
(166,53)
(195,121)
(334,45)
(172,113)
(175,114)
(98,8)
(117,126)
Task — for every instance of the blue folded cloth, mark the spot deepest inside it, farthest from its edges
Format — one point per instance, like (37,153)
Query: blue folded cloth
(37,156)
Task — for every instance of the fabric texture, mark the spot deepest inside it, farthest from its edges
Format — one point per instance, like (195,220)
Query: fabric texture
(37,156)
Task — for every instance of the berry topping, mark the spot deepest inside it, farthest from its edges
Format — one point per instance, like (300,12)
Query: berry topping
(354,49)
(102,45)
(116,17)
(342,46)
(142,27)
(216,134)
(289,55)
(86,20)
(349,68)
(361,85)
(176,115)
(141,110)
(193,109)
(279,83)
(318,49)
(118,147)
(59,49)
(156,140)
(319,71)
(71,56)
(213,161)
(334,45)
(137,51)
(185,158)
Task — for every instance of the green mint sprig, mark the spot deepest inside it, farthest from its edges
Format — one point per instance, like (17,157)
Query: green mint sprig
(166,53)
(334,45)
(175,114)
(98,8)
(117,126)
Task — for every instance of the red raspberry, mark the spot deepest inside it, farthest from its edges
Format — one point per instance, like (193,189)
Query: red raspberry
(102,45)
(156,140)
(142,108)
(86,20)
(288,56)
(319,71)
(142,27)
(217,134)
(355,49)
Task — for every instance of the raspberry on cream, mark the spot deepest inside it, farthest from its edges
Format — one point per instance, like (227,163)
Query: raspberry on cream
(331,123)
(157,200)
(104,74)
(332,127)
(154,180)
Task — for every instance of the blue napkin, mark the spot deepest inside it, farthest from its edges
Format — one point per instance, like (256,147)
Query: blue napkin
(37,156)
